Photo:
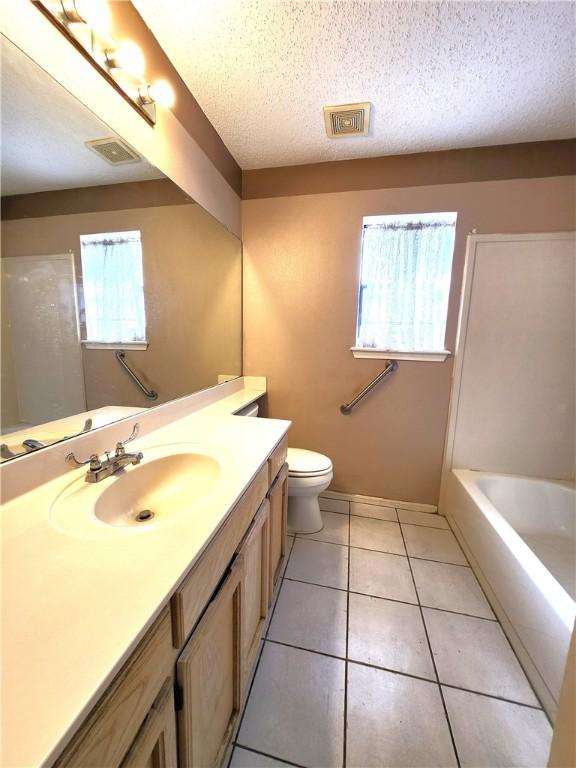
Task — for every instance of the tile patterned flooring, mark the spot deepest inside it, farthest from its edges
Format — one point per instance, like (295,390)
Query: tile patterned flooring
(383,651)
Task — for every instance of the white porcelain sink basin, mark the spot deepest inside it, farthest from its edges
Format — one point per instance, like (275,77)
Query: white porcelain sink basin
(171,481)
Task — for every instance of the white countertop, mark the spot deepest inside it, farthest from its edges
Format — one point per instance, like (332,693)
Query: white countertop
(74,608)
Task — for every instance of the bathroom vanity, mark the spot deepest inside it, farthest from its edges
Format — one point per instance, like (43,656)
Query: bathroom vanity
(146,634)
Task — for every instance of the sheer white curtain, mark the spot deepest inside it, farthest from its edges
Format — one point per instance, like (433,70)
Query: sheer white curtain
(405,282)
(113,283)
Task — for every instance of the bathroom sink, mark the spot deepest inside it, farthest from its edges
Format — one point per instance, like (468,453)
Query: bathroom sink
(170,482)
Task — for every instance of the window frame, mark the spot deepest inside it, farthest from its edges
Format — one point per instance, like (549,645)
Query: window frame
(437,355)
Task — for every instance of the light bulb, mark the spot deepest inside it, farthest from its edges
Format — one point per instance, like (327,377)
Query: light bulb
(162,93)
(129,58)
(95,13)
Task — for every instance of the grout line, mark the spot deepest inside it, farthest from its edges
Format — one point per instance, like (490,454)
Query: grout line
(405,674)
(392,503)
(380,519)
(345,727)
(304,537)
(267,754)
(493,696)
(306,650)
(390,599)
(433,660)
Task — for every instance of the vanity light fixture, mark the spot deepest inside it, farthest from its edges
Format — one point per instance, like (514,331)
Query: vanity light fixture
(160,92)
(128,58)
(94,13)
(86,24)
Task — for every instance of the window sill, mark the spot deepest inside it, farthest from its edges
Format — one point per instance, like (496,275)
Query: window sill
(390,354)
(133,345)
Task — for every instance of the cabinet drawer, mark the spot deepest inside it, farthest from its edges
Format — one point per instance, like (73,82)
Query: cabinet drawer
(193,595)
(110,729)
(277,459)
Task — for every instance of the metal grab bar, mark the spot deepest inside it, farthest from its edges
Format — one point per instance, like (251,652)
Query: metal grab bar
(390,368)
(150,393)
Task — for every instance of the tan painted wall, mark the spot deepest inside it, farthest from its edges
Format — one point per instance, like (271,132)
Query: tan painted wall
(192,279)
(301,257)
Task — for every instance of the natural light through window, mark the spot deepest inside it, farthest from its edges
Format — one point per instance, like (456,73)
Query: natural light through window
(113,287)
(406,265)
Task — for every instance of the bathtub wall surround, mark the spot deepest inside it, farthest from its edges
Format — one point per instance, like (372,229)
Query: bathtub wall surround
(512,404)
(24,474)
(301,257)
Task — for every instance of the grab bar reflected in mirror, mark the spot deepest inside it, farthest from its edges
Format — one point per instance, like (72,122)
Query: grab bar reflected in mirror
(390,368)
(150,393)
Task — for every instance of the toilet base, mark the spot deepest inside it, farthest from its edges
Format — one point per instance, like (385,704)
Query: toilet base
(304,514)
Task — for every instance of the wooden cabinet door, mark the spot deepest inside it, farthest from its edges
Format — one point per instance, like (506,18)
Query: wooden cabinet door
(256,553)
(278,498)
(155,744)
(209,672)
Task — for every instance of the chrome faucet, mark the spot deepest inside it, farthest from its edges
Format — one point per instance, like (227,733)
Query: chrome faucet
(100,469)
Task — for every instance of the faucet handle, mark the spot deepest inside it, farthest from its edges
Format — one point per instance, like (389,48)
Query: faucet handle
(93,460)
(120,451)
(133,435)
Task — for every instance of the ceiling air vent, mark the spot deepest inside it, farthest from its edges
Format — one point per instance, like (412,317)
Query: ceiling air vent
(114,151)
(347,120)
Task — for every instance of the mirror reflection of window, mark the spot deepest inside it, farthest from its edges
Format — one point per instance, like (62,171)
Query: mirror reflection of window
(113,287)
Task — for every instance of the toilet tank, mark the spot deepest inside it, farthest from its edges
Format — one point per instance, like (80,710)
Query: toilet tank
(249,410)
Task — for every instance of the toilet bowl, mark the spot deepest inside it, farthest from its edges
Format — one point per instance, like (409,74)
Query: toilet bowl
(309,474)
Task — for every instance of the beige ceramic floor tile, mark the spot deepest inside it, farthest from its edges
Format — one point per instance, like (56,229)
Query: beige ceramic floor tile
(379,535)
(296,707)
(382,575)
(388,634)
(310,617)
(335,529)
(334,505)
(427,519)
(396,721)
(372,510)
(496,734)
(244,758)
(433,544)
(318,563)
(475,654)
(450,587)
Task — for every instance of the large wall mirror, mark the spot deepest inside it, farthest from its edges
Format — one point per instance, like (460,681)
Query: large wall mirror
(119,292)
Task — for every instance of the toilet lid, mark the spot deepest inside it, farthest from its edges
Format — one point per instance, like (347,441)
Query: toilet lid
(302,463)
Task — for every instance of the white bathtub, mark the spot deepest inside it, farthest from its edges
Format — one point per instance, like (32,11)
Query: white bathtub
(519,534)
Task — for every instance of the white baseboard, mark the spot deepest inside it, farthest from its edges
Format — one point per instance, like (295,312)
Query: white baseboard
(411,505)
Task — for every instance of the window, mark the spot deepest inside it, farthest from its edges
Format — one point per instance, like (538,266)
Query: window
(113,286)
(405,272)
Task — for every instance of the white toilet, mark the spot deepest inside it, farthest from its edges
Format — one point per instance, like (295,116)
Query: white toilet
(309,474)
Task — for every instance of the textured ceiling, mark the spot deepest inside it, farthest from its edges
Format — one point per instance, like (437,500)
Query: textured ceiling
(43,133)
(440,75)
